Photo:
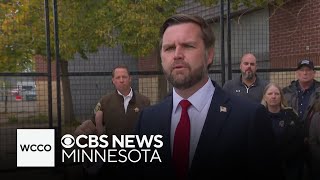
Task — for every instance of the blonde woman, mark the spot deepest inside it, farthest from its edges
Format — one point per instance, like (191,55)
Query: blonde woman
(288,132)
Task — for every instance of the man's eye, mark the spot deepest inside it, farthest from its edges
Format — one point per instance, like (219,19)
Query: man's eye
(189,46)
(169,49)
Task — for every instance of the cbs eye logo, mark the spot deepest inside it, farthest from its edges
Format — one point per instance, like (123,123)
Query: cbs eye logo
(67,141)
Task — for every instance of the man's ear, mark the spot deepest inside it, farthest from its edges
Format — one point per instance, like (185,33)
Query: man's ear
(210,56)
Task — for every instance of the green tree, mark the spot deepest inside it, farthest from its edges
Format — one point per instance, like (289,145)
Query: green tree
(84,26)
(247,3)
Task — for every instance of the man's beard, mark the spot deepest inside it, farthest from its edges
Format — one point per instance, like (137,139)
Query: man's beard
(186,81)
(248,76)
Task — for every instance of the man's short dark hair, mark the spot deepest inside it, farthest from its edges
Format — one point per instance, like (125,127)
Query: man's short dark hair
(121,67)
(207,33)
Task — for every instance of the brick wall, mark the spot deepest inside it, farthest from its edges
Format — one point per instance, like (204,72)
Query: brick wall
(295,33)
(42,87)
(41,67)
(149,63)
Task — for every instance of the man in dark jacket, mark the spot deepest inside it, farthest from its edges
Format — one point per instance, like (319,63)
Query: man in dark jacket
(302,92)
(118,112)
(121,108)
(248,85)
(301,95)
(115,114)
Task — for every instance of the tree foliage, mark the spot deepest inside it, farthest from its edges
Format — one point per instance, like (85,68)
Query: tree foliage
(84,26)
(236,4)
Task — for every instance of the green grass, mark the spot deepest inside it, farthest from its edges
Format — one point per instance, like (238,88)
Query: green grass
(12,119)
(39,118)
(66,128)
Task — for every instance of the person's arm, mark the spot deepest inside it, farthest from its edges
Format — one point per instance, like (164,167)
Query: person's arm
(99,122)
(86,128)
(314,135)
(91,126)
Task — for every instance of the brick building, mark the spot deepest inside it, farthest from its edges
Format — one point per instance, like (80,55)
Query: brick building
(294,35)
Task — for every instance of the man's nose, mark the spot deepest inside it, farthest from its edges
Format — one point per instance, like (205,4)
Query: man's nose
(178,53)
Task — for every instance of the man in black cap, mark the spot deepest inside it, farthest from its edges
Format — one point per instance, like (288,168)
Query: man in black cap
(301,96)
(301,93)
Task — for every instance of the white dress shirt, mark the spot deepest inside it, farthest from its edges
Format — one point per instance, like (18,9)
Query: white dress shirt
(198,111)
(126,99)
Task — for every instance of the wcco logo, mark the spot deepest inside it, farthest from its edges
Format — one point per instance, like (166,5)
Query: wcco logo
(35,148)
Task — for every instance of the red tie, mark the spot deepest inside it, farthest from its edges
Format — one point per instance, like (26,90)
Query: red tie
(182,142)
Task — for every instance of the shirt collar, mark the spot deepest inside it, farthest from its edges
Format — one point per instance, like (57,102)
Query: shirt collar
(198,99)
(129,95)
(312,87)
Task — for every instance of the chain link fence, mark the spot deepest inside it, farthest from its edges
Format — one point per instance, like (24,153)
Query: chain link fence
(27,101)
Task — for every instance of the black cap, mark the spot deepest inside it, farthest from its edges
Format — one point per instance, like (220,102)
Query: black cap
(305,62)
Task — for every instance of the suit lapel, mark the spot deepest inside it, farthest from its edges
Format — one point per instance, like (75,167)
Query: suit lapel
(165,116)
(164,126)
(218,113)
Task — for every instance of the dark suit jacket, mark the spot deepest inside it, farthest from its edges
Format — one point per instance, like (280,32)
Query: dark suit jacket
(238,143)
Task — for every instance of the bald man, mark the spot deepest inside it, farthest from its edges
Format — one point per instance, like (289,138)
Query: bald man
(248,84)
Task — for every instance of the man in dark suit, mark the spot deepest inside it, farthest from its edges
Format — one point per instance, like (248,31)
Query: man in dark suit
(218,136)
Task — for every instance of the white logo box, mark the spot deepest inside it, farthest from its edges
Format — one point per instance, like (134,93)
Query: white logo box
(35,148)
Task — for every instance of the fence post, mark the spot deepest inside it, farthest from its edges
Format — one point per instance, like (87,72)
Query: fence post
(47,24)
(223,70)
(57,54)
(229,41)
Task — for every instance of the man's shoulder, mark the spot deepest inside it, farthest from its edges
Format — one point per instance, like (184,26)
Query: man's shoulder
(289,111)
(242,102)
(317,84)
(231,83)
(142,98)
(290,88)
(139,95)
(163,104)
(241,109)
(262,82)
(238,103)
(106,97)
